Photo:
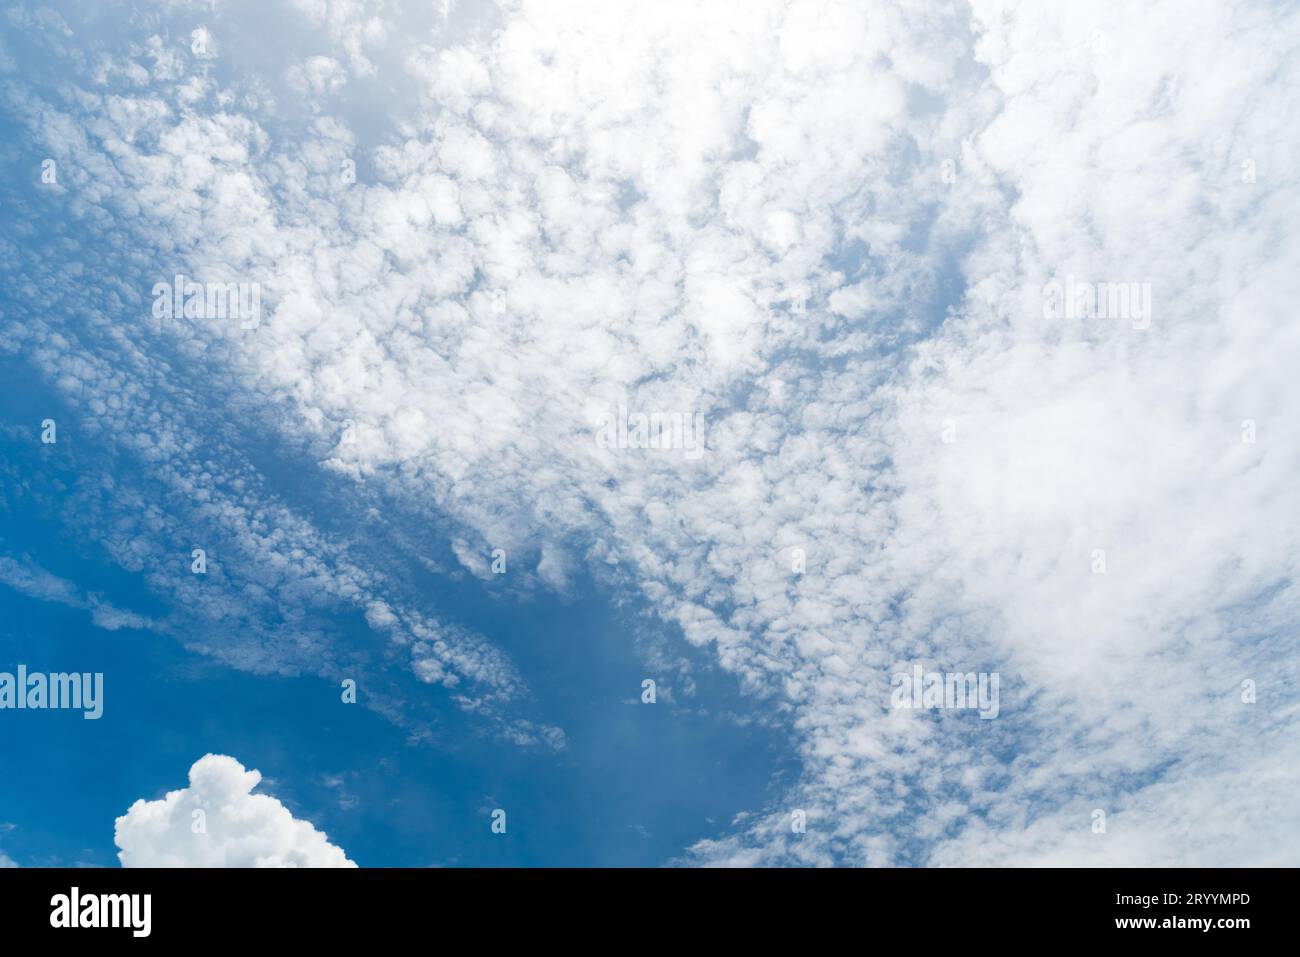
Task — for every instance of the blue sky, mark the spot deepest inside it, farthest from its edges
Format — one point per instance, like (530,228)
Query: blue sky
(634,785)
(478,234)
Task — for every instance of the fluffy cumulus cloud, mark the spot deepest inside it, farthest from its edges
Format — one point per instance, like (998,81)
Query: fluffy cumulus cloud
(829,229)
(219,822)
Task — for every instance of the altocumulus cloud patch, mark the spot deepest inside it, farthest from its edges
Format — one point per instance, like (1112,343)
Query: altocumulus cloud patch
(833,238)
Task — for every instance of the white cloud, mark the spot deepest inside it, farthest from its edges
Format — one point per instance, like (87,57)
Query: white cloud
(29,578)
(317,75)
(748,216)
(240,828)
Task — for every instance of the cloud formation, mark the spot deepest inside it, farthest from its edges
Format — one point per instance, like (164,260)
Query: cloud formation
(827,227)
(30,579)
(218,822)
